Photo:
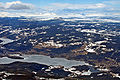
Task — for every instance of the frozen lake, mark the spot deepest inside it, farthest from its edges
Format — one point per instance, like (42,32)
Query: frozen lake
(41,59)
(6,41)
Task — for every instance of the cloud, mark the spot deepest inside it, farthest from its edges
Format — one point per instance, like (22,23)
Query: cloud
(7,14)
(26,14)
(98,14)
(16,5)
(110,8)
(100,5)
(75,6)
(18,8)
(1,6)
(113,2)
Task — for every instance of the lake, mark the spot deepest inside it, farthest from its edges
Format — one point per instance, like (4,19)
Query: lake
(41,59)
(6,41)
